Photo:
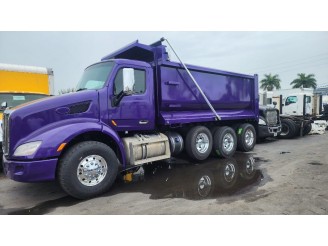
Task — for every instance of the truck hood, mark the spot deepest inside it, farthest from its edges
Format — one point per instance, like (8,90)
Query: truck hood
(30,117)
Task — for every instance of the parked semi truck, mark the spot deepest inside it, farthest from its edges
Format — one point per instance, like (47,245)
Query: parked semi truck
(132,108)
(298,109)
(21,84)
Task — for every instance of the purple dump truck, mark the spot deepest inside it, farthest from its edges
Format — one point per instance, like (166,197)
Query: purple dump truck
(133,108)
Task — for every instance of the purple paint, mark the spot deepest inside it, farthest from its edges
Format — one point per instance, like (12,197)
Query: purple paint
(170,98)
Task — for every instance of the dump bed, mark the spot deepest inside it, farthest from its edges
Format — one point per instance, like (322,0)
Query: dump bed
(234,96)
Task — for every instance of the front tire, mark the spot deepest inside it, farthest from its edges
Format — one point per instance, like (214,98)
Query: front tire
(288,129)
(87,169)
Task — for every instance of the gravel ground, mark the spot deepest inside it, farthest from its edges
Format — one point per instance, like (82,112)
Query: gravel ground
(291,178)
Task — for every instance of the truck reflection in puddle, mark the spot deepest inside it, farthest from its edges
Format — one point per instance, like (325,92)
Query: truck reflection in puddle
(177,179)
(181,179)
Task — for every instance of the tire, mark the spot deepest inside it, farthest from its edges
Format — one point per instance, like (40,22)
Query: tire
(307,129)
(73,169)
(246,137)
(288,129)
(228,175)
(224,142)
(201,150)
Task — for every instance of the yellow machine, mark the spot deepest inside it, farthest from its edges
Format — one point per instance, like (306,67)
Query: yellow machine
(20,84)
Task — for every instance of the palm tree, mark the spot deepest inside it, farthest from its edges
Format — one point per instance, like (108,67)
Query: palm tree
(270,82)
(304,81)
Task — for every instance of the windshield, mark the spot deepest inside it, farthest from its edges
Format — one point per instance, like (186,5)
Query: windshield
(95,76)
(15,99)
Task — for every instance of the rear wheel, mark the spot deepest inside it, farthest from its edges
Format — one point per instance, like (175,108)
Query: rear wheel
(199,143)
(246,137)
(288,129)
(224,142)
(87,169)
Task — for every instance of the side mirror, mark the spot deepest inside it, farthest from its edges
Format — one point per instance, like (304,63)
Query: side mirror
(128,80)
(4,105)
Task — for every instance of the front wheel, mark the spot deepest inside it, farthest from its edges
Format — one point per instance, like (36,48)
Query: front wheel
(87,169)
(288,129)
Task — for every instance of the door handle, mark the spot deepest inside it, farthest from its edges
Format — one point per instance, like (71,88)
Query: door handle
(143,122)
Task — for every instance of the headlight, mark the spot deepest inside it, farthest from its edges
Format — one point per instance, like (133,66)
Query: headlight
(27,149)
(262,122)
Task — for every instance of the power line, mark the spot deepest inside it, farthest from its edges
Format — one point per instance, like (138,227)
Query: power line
(292,61)
(292,66)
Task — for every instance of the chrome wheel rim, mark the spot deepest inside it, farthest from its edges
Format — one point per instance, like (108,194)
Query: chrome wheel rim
(92,170)
(249,137)
(228,142)
(204,186)
(229,172)
(202,143)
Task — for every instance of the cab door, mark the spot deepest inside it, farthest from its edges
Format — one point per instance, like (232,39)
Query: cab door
(291,105)
(134,111)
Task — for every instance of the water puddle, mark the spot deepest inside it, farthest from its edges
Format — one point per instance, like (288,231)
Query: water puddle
(194,181)
(178,178)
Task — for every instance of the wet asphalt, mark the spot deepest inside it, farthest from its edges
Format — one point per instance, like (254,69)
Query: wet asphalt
(278,177)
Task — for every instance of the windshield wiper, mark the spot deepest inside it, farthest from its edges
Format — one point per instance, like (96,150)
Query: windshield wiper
(82,89)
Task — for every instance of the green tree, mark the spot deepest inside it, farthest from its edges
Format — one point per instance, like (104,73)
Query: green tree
(270,82)
(305,81)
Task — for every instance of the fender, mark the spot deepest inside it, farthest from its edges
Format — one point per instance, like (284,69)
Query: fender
(111,133)
(56,134)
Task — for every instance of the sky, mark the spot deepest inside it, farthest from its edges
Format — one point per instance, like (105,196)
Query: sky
(69,53)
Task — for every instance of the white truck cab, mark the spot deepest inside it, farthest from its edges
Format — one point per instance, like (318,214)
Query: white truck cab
(293,104)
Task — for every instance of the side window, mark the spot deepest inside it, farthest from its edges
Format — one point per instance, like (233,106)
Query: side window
(118,82)
(139,82)
(291,99)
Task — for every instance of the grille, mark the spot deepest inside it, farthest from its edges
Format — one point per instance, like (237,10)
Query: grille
(272,117)
(79,107)
(5,141)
